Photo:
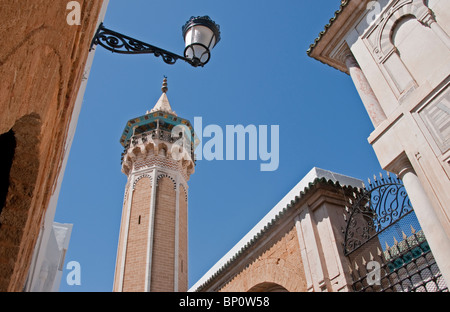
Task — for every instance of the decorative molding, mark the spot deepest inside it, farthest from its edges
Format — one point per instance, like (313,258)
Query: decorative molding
(145,175)
(185,191)
(384,46)
(435,116)
(148,144)
(343,53)
(378,38)
(401,165)
(165,175)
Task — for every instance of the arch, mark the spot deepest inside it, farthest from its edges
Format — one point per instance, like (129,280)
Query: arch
(145,175)
(398,75)
(165,175)
(418,55)
(271,272)
(136,151)
(8,144)
(184,191)
(20,214)
(162,150)
(267,287)
(149,146)
(402,9)
(138,223)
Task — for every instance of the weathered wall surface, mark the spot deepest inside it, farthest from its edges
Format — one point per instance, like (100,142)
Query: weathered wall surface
(277,268)
(42,60)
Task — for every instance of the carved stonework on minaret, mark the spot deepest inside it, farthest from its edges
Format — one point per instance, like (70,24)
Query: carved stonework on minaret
(158,161)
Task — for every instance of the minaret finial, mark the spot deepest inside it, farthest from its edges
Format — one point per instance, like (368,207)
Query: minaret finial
(164,86)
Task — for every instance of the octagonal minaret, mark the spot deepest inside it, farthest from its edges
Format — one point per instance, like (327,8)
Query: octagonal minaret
(158,160)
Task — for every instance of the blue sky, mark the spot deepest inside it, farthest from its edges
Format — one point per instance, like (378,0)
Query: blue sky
(259,74)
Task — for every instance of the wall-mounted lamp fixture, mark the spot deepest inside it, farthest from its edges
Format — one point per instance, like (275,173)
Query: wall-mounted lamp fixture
(200,34)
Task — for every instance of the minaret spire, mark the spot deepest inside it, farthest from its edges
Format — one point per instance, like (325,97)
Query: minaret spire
(152,253)
(163,104)
(164,86)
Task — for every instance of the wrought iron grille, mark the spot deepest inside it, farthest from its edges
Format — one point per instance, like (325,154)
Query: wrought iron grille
(373,210)
(385,246)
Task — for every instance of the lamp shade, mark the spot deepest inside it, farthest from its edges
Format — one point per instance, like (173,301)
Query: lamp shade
(200,34)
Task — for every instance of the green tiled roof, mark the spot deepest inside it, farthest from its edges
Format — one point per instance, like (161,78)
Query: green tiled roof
(149,121)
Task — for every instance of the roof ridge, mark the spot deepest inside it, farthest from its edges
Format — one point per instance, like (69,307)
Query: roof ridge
(343,4)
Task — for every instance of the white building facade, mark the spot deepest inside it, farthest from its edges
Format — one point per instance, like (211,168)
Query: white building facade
(397,53)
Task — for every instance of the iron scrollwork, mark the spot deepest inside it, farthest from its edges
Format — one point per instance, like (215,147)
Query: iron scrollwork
(119,43)
(373,209)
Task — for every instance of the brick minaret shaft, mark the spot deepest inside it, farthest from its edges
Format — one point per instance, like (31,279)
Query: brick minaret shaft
(152,252)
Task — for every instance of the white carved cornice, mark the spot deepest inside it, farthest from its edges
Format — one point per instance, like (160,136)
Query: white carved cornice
(158,147)
(400,165)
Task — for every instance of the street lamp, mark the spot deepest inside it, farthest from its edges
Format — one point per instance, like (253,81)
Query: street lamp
(200,34)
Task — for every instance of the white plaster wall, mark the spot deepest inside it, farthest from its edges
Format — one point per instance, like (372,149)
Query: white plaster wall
(423,62)
(422,52)
(441,9)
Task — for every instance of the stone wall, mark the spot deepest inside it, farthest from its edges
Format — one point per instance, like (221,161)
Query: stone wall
(279,265)
(137,238)
(163,253)
(42,60)
(297,249)
(398,55)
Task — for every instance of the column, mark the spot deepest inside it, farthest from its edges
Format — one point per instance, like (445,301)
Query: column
(429,20)
(309,247)
(437,238)
(365,91)
(123,238)
(177,233)
(150,231)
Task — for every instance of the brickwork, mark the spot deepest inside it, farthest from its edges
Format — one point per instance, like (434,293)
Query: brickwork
(42,60)
(183,241)
(148,153)
(163,261)
(279,264)
(296,247)
(136,256)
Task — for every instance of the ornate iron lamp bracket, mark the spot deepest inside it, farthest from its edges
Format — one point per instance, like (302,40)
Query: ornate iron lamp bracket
(119,43)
